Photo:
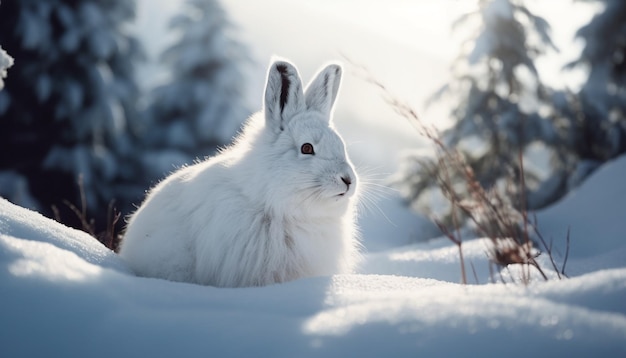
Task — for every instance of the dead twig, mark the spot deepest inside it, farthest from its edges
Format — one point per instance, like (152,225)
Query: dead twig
(566,253)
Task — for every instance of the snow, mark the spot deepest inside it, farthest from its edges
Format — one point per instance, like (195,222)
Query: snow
(586,213)
(65,294)
(6,61)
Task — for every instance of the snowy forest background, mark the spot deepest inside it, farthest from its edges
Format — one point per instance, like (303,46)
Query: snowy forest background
(89,106)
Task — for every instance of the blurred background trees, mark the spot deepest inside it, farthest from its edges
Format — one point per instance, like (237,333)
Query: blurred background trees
(202,105)
(502,110)
(599,127)
(68,109)
(72,130)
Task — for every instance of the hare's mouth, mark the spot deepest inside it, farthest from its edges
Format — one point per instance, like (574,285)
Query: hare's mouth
(346,193)
(338,196)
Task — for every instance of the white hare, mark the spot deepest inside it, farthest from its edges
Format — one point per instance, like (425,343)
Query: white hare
(277,205)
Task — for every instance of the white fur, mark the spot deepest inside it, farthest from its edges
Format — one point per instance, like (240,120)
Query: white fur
(260,212)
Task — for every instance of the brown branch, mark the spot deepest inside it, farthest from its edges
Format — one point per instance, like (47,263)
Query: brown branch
(566,253)
(87,225)
(548,248)
(474,272)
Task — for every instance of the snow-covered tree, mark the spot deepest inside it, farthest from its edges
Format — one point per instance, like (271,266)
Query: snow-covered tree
(202,106)
(599,133)
(500,107)
(68,106)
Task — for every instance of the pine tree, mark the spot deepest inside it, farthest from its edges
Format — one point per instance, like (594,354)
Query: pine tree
(599,133)
(501,109)
(202,106)
(68,107)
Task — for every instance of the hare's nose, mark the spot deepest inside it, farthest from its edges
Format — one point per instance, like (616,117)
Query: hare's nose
(346,180)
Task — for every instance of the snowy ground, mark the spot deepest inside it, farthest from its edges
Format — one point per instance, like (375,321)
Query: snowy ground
(65,295)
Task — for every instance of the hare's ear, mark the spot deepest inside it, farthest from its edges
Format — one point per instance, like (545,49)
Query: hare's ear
(284,96)
(321,93)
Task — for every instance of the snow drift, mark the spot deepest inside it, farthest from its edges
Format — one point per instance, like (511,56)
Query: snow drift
(64,294)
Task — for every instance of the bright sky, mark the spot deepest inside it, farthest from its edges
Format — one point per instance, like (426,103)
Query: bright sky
(292,27)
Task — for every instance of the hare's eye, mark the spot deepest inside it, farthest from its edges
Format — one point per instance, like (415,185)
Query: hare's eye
(307,148)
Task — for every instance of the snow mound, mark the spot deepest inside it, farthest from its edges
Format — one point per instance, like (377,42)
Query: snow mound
(18,222)
(594,213)
(65,294)
(595,216)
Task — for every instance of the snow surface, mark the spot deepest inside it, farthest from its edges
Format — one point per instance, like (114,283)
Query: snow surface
(63,294)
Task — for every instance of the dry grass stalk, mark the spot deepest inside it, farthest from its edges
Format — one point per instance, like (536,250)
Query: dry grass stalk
(109,238)
(491,212)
